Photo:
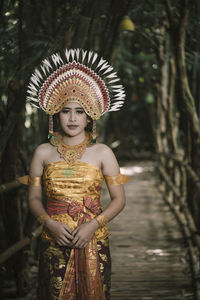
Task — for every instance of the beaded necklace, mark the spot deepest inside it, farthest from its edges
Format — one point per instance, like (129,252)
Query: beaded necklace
(70,153)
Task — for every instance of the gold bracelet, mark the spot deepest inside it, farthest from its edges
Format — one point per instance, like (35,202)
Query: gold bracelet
(43,218)
(102,220)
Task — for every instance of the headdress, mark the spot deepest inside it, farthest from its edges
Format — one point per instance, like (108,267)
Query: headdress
(78,76)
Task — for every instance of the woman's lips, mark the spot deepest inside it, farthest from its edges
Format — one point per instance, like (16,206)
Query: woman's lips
(72,126)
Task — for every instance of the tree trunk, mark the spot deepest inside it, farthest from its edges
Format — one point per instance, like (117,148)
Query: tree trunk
(12,213)
(178,32)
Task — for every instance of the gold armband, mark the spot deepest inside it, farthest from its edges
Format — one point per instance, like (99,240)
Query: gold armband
(116,180)
(102,220)
(31,181)
(43,218)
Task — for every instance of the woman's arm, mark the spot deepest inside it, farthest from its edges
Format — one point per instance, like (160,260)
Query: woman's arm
(61,233)
(35,192)
(110,167)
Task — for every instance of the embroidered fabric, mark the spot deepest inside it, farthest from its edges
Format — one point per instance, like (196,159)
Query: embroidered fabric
(73,198)
(73,193)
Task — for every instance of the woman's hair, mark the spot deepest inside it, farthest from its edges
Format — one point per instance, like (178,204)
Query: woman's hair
(88,128)
(56,122)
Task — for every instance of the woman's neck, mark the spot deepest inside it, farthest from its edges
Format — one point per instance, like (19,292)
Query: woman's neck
(74,140)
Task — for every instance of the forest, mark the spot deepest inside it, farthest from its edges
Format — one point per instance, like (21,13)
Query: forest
(154,46)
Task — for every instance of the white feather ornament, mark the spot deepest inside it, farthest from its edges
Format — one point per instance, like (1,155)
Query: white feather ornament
(47,64)
(67,54)
(104,66)
(77,54)
(31,99)
(32,87)
(120,94)
(120,86)
(35,105)
(83,55)
(35,80)
(108,70)
(89,56)
(86,72)
(72,54)
(100,63)
(38,73)
(57,59)
(114,80)
(94,58)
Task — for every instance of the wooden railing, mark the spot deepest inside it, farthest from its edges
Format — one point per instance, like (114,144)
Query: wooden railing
(20,245)
(9,186)
(174,192)
(26,240)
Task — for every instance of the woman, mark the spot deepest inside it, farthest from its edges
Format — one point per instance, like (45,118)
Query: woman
(75,260)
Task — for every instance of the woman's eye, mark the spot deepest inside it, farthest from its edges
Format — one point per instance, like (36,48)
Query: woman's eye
(64,111)
(80,111)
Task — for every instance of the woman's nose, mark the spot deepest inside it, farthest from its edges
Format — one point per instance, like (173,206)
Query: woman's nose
(72,116)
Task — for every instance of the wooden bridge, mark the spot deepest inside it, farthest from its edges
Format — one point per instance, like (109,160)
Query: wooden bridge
(150,257)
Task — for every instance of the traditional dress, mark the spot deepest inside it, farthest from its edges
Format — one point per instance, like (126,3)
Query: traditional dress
(73,198)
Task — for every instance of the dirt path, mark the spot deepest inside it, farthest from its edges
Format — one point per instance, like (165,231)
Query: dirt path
(150,258)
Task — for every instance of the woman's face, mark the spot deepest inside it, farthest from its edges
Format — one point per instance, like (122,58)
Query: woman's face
(73,119)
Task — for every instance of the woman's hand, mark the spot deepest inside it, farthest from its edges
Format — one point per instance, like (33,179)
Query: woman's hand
(83,234)
(61,232)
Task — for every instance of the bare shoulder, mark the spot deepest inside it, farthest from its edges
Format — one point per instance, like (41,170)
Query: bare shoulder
(109,162)
(102,148)
(43,147)
(102,151)
(38,160)
(43,150)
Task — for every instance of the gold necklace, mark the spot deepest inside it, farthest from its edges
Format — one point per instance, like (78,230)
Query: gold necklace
(69,153)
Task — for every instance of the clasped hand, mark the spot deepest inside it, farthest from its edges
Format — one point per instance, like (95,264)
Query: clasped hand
(79,238)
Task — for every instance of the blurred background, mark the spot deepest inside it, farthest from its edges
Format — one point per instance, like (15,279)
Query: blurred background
(153,45)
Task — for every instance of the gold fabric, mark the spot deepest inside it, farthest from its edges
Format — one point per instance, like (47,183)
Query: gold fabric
(73,193)
(73,197)
(87,282)
(116,180)
(29,180)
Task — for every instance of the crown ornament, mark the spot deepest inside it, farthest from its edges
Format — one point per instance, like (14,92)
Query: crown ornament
(78,76)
